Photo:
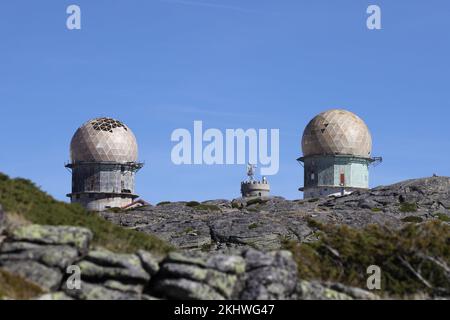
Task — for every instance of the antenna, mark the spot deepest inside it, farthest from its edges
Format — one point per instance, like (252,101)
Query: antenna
(376,161)
(251,171)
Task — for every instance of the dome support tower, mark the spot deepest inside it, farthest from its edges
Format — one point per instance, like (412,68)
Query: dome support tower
(337,148)
(104,164)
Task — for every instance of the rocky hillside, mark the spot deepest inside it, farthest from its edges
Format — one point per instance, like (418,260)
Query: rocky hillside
(254,249)
(267,224)
(42,255)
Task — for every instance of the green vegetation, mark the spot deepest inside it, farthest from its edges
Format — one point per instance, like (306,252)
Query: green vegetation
(413,219)
(408,207)
(14,287)
(22,198)
(163,203)
(192,204)
(206,247)
(253,226)
(255,201)
(376,210)
(207,207)
(415,258)
(189,230)
(313,200)
(186,231)
(314,223)
(442,217)
(202,206)
(236,205)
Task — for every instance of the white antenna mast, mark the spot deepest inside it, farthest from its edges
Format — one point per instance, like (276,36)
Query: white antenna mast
(251,171)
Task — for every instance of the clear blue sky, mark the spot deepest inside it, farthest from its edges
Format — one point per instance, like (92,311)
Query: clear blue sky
(160,65)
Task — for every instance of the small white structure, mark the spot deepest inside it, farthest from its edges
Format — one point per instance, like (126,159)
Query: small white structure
(252,187)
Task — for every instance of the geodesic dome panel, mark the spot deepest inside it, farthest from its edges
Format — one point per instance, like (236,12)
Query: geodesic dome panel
(337,132)
(104,140)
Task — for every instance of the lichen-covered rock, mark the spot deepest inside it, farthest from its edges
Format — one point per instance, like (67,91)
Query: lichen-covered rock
(355,293)
(227,263)
(220,262)
(103,264)
(187,258)
(45,277)
(216,275)
(250,231)
(306,290)
(148,261)
(52,256)
(184,289)
(269,276)
(57,235)
(221,282)
(89,291)
(119,286)
(54,296)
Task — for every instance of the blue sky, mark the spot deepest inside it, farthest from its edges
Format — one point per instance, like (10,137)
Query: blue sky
(160,65)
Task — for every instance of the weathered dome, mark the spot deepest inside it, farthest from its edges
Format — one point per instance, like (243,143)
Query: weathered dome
(337,132)
(104,140)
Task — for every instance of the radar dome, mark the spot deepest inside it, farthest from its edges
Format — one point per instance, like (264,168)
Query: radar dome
(104,140)
(337,132)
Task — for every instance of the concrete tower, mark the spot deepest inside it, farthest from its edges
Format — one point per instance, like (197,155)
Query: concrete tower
(104,157)
(254,188)
(337,148)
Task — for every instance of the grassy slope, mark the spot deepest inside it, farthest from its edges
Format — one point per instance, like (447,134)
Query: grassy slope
(343,254)
(14,287)
(22,197)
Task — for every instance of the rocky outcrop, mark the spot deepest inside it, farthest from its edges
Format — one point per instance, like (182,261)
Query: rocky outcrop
(196,276)
(265,224)
(43,255)
(48,257)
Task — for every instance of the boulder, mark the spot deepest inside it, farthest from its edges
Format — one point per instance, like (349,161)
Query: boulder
(221,282)
(149,262)
(54,296)
(77,237)
(184,289)
(49,279)
(50,255)
(89,291)
(269,276)
(127,288)
(103,264)
(194,275)
(355,293)
(306,290)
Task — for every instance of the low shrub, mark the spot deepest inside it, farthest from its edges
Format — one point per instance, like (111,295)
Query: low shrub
(412,259)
